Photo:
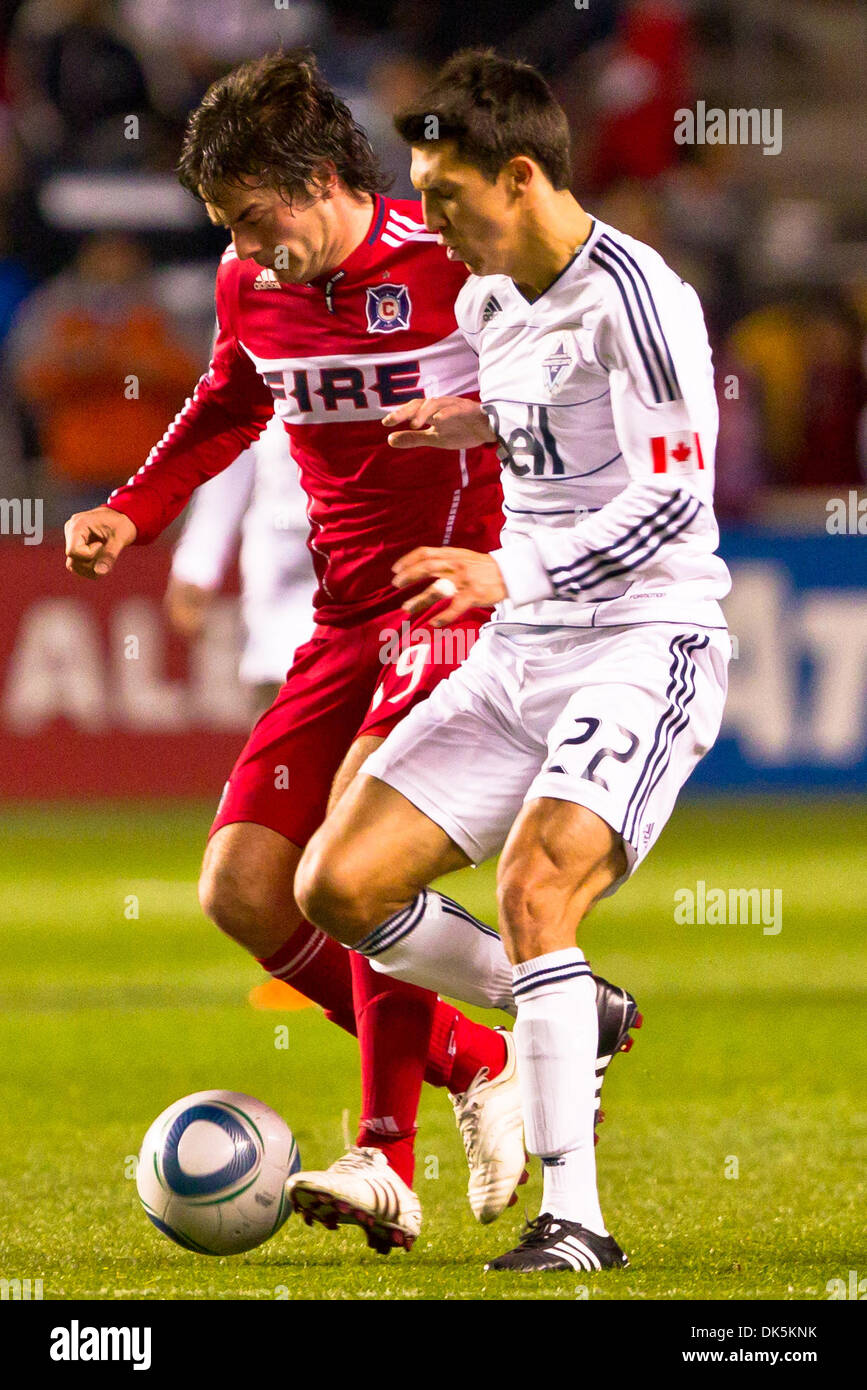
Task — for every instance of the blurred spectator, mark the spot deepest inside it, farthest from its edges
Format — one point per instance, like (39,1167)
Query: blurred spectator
(69,72)
(25,238)
(185,45)
(546,32)
(643,79)
(835,395)
(15,283)
(806,351)
(393,81)
(220,32)
(636,208)
(101,366)
(740,471)
(769,341)
(13,472)
(72,71)
(711,220)
(552,40)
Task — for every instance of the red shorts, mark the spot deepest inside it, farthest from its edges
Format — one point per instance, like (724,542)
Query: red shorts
(343,683)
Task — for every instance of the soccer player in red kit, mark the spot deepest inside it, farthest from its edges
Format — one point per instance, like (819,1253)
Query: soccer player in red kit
(334,306)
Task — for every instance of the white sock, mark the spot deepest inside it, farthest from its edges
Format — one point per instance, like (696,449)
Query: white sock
(556,1037)
(437,944)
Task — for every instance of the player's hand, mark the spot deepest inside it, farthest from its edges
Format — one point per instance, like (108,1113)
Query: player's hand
(469,579)
(187,606)
(94,540)
(440,422)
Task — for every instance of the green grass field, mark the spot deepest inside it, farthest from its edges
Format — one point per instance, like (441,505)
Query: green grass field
(751,1060)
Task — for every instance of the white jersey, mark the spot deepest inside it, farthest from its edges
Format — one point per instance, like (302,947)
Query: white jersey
(601,395)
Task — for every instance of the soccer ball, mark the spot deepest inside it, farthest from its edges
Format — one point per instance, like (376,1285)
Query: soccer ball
(212,1172)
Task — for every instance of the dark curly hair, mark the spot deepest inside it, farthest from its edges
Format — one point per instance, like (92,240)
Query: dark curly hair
(275,120)
(493,108)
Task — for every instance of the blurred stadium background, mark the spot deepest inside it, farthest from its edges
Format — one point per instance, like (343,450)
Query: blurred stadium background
(106,270)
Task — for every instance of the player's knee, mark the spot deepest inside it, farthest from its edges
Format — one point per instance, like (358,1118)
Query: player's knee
(330,895)
(235,904)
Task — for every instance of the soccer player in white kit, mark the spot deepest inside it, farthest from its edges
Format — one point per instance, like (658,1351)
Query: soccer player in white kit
(565,737)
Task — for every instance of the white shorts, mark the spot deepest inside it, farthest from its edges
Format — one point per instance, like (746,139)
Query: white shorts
(614,719)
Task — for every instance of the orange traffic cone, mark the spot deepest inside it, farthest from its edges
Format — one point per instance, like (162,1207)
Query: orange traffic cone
(276,994)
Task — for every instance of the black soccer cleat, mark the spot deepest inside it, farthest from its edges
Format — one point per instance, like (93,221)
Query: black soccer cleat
(551,1243)
(618,1012)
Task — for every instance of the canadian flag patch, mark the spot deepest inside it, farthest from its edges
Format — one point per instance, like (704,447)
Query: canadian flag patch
(676,453)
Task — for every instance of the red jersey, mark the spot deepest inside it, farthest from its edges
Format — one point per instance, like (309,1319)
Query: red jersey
(331,358)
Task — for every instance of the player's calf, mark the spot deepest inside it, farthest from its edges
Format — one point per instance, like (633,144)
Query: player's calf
(557,861)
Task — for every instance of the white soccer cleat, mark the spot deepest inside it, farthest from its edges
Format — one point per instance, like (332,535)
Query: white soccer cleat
(360,1189)
(491,1123)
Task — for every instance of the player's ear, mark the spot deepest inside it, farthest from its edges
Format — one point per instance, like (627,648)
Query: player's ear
(520,173)
(325,178)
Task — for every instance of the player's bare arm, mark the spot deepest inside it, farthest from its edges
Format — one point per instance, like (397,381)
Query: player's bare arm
(187,606)
(95,539)
(470,579)
(441,422)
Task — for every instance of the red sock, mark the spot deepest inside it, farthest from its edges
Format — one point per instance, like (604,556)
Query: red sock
(394,1027)
(406,1035)
(318,967)
(459,1048)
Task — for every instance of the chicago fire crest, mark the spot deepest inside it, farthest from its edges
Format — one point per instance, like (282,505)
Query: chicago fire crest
(388,308)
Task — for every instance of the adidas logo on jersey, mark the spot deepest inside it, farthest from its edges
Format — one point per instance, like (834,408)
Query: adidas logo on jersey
(266,280)
(492,307)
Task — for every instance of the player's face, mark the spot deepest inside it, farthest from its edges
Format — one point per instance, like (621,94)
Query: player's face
(294,241)
(476,219)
